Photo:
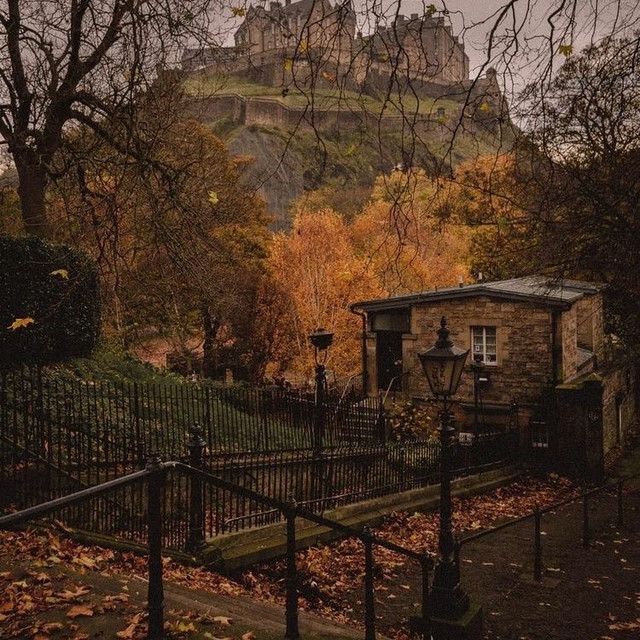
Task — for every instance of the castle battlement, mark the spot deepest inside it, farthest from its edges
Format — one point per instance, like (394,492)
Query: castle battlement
(423,47)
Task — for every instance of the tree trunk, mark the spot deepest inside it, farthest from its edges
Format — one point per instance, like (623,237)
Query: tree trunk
(32,188)
(210,326)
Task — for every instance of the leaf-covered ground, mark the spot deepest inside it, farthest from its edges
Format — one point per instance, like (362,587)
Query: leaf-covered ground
(496,572)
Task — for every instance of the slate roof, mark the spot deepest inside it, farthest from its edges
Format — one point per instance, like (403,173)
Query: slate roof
(555,293)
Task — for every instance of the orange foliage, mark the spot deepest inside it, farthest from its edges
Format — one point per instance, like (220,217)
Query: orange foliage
(402,235)
(317,264)
(399,243)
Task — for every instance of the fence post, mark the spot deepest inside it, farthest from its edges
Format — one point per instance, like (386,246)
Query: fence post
(381,423)
(136,423)
(155,593)
(620,520)
(426,621)
(195,444)
(292,631)
(585,519)
(369,597)
(537,557)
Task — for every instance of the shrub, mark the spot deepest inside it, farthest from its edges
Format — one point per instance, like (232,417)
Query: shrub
(49,302)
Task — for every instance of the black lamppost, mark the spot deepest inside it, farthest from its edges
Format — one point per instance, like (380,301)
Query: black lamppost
(442,365)
(477,367)
(321,339)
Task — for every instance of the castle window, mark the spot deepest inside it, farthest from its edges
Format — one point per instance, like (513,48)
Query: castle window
(483,344)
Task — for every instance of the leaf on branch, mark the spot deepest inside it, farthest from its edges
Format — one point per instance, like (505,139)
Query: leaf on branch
(565,49)
(20,323)
(430,10)
(238,12)
(213,198)
(63,273)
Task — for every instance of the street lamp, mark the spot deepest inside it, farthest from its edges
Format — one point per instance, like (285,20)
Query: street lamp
(442,364)
(321,339)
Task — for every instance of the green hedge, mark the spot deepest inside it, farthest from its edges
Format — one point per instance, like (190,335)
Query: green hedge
(49,302)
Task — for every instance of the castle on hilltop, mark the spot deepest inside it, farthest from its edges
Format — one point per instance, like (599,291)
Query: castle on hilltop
(313,41)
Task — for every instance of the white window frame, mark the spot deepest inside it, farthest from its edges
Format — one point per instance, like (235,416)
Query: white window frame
(484,329)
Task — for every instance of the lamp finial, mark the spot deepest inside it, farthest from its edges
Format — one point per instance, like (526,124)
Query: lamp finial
(443,335)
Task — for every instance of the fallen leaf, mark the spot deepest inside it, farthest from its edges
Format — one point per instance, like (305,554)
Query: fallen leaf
(127,633)
(79,611)
(20,323)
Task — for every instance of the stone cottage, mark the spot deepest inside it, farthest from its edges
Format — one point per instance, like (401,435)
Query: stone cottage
(548,369)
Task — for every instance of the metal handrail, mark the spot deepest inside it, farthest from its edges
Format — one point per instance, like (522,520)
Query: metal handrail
(547,509)
(537,518)
(45,508)
(155,472)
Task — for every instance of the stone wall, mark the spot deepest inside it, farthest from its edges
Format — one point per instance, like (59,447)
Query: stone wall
(270,112)
(523,333)
(619,416)
(568,329)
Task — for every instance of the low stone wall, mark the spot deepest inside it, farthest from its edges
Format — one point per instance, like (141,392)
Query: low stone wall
(239,550)
(270,112)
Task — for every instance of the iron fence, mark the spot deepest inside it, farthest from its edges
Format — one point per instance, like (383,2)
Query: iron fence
(59,436)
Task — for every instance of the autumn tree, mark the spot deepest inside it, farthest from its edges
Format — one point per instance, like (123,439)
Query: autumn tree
(180,244)
(74,63)
(566,203)
(316,263)
(404,237)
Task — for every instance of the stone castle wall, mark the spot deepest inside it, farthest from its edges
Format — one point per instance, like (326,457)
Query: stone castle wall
(270,112)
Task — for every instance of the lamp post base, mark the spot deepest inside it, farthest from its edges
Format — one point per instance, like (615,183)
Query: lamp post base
(468,626)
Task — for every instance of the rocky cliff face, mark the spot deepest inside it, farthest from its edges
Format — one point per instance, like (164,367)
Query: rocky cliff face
(274,171)
(282,166)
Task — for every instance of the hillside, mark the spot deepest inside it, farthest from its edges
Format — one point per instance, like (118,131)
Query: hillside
(343,142)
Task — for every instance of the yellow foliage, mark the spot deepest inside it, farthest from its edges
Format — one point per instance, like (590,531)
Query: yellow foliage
(20,323)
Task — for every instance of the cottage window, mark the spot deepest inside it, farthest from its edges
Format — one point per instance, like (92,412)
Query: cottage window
(539,435)
(483,344)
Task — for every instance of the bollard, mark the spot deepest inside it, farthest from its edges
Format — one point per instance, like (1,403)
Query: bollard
(196,444)
(155,592)
(292,628)
(369,598)
(585,520)
(537,557)
(620,521)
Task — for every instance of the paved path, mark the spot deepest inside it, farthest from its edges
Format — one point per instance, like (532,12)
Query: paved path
(184,607)
(586,593)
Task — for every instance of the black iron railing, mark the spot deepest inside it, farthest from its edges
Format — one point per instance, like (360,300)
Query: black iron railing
(57,437)
(616,486)
(156,474)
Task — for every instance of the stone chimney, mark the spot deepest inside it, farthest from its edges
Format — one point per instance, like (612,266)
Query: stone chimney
(273,6)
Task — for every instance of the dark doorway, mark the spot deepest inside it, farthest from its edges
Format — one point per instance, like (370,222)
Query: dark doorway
(389,359)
